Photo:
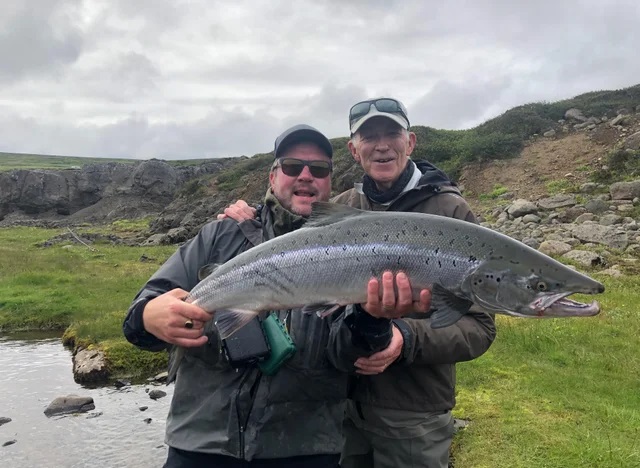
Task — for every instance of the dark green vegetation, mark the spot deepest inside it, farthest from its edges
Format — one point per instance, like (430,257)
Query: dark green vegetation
(620,165)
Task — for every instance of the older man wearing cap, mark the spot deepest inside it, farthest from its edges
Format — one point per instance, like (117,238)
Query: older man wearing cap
(399,413)
(226,412)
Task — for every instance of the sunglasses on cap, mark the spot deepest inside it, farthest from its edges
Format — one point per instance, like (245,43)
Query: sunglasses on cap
(293,167)
(388,105)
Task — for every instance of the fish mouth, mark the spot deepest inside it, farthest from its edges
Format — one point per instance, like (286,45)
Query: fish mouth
(557,305)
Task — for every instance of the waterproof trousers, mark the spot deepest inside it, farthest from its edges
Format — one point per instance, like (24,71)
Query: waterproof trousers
(384,438)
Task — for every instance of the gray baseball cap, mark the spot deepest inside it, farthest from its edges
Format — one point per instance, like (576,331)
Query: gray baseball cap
(300,134)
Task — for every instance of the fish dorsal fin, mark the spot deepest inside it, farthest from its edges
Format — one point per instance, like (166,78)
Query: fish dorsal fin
(325,213)
(206,270)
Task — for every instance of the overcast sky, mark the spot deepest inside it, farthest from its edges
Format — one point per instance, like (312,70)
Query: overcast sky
(178,79)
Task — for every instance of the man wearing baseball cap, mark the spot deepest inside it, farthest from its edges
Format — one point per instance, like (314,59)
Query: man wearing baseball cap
(399,412)
(225,411)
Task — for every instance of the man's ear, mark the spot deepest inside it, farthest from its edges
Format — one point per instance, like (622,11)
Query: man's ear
(353,150)
(272,178)
(412,143)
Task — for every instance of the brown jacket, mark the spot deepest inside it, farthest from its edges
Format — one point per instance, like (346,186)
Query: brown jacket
(423,378)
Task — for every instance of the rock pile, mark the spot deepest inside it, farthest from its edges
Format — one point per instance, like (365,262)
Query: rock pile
(574,225)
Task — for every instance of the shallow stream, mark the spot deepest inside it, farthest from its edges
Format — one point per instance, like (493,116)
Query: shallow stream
(35,369)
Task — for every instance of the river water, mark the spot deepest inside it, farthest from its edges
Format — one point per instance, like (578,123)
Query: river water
(33,371)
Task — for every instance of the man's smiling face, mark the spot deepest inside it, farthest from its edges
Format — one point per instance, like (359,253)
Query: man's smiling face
(383,148)
(297,193)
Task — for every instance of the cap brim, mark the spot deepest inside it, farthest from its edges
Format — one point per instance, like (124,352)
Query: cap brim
(397,118)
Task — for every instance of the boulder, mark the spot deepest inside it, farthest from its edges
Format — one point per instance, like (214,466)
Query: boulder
(585,217)
(610,220)
(89,366)
(575,114)
(632,142)
(597,206)
(557,201)
(69,404)
(610,236)
(625,190)
(570,214)
(553,247)
(521,207)
(157,394)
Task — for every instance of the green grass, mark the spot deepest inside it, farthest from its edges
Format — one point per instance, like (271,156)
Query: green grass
(557,186)
(12,161)
(557,392)
(498,190)
(63,285)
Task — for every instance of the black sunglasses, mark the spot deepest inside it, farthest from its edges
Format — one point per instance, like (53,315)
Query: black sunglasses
(294,167)
(388,105)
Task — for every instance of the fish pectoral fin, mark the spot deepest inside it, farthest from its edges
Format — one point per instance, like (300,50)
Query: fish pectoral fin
(449,308)
(230,321)
(321,310)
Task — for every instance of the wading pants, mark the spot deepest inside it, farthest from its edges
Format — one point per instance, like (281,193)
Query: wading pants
(384,438)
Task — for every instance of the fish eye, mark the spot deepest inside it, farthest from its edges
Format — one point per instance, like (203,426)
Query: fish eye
(541,286)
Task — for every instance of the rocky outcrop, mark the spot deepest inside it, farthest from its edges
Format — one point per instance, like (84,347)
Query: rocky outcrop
(69,404)
(95,192)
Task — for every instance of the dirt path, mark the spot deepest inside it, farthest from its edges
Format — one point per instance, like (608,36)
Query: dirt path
(570,157)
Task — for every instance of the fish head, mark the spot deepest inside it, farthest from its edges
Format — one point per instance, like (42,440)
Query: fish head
(531,291)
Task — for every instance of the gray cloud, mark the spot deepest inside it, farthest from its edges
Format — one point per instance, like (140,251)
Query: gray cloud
(198,78)
(38,38)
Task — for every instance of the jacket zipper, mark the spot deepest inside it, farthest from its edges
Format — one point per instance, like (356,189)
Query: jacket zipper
(242,425)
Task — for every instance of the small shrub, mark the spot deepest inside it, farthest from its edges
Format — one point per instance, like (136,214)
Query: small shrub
(495,193)
(620,164)
(560,186)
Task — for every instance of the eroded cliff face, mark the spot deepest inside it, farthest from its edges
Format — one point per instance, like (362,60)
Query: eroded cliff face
(94,193)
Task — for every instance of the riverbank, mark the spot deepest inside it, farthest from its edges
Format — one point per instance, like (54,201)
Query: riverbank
(50,281)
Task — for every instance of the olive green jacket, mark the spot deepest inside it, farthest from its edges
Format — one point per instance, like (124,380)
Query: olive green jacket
(423,378)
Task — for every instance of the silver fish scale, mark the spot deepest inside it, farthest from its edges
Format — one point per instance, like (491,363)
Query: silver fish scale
(332,264)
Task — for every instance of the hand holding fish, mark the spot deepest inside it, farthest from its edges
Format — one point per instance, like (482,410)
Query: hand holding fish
(239,211)
(171,319)
(378,362)
(386,305)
